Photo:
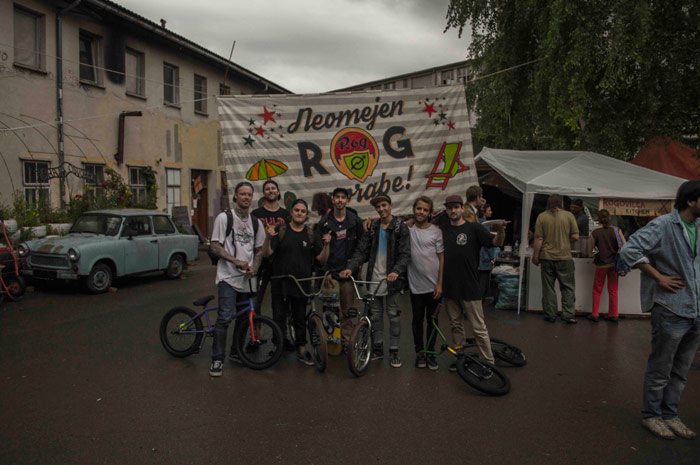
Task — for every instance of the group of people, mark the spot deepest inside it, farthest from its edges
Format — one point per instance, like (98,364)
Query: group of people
(435,257)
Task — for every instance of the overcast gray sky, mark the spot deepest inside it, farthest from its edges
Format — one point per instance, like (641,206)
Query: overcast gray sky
(310,46)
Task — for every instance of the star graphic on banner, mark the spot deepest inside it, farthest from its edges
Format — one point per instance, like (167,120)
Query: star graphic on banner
(251,122)
(247,140)
(260,131)
(268,116)
(429,109)
(442,115)
(450,125)
(436,122)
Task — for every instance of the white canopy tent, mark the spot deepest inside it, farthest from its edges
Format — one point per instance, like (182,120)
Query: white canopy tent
(576,174)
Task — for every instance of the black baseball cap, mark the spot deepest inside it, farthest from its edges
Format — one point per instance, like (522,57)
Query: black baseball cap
(380,198)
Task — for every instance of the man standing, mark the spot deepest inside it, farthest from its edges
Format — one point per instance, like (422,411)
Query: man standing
(239,255)
(668,253)
(271,214)
(425,279)
(555,230)
(386,247)
(580,215)
(463,241)
(345,228)
(475,199)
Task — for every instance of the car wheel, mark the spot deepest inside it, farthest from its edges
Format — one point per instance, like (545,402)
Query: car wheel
(100,278)
(175,267)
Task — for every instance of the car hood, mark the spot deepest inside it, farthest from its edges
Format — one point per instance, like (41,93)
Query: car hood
(60,245)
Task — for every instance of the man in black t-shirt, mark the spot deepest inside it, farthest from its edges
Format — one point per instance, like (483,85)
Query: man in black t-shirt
(270,213)
(462,242)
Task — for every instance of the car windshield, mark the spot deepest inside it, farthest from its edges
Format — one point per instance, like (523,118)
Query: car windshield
(107,225)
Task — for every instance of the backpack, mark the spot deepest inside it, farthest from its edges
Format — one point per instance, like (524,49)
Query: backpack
(229,226)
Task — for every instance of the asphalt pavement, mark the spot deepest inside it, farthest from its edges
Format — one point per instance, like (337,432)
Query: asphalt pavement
(85,380)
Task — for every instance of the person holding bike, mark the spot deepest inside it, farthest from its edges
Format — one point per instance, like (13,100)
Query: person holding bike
(295,249)
(345,228)
(463,241)
(386,247)
(239,255)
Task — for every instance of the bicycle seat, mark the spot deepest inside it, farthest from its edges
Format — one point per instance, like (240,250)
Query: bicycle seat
(203,301)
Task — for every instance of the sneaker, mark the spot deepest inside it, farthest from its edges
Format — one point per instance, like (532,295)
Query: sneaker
(377,351)
(612,319)
(550,319)
(569,320)
(394,359)
(216,369)
(592,318)
(420,361)
(452,367)
(233,356)
(305,358)
(657,426)
(679,428)
(432,363)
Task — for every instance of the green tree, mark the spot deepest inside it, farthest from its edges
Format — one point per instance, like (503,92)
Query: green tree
(604,75)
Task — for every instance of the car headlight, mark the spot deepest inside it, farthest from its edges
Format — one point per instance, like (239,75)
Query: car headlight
(23,250)
(73,255)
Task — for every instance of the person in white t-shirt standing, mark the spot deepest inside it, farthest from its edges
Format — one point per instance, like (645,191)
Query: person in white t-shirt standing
(240,254)
(425,279)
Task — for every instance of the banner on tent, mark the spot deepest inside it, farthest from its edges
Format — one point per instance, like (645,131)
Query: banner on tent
(404,143)
(628,207)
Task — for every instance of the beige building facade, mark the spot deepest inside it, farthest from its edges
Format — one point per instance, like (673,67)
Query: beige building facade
(89,85)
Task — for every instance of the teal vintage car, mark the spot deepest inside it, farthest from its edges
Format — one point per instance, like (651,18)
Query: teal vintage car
(105,244)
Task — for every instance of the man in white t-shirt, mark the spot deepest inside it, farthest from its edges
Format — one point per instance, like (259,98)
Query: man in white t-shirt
(425,279)
(239,259)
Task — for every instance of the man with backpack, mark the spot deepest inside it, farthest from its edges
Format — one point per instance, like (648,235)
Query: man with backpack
(236,240)
(386,247)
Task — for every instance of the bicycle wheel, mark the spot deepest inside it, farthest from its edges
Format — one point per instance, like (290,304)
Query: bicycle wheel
(360,348)
(508,353)
(483,376)
(181,332)
(266,350)
(317,338)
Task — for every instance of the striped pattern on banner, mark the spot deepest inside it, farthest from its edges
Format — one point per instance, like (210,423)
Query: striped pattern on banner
(404,143)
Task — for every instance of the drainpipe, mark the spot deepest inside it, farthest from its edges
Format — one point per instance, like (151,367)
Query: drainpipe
(59,96)
(119,156)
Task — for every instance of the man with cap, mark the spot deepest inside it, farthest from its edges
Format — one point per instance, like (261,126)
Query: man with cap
(462,242)
(386,247)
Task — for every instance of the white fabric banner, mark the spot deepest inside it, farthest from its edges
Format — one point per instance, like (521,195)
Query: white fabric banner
(403,143)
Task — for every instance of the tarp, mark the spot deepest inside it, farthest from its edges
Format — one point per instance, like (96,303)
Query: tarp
(403,143)
(576,174)
(669,156)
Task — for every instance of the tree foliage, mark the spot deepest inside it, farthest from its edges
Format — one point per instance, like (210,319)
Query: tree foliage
(608,74)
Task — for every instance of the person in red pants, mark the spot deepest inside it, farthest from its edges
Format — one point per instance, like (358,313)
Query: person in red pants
(607,241)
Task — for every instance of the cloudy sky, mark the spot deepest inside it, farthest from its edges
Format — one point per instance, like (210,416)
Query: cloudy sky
(310,46)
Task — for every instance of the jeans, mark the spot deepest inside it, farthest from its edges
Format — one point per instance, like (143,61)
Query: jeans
(598,282)
(674,341)
(562,270)
(229,300)
(475,314)
(423,306)
(390,302)
(281,307)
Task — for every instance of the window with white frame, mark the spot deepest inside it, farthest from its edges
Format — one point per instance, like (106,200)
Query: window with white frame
(224,89)
(171,84)
(29,38)
(36,181)
(93,186)
(89,46)
(200,94)
(135,73)
(137,184)
(173,188)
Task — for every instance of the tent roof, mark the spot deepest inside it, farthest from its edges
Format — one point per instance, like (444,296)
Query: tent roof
(669,156)
(580,174)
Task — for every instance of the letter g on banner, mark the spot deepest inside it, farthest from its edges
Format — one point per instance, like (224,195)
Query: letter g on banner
(354,153)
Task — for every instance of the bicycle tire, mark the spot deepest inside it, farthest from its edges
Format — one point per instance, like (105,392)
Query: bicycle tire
(360,348)
(174,341)
(317,339)
(16,287)
(270,347)
(508,353)
(471,369)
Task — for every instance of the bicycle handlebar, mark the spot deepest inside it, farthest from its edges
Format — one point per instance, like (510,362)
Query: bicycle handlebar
(379,283)
(299,281)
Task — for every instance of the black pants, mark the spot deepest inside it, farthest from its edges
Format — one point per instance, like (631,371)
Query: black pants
(281,306)
(485,283)
(264,276)
(423,306)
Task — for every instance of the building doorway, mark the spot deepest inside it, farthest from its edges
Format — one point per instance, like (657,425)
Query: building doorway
(200,200)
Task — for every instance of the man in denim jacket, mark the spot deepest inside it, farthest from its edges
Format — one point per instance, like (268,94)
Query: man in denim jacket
(668,254)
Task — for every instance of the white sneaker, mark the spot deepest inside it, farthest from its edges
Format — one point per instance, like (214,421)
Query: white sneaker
(216,369)
(679,428)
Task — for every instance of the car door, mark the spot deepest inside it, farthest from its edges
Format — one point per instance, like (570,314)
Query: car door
(167,239)
(141,246)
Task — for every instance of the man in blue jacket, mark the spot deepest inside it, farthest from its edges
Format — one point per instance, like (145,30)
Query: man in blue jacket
(666,251)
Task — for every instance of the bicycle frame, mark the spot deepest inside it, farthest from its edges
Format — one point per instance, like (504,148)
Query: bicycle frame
(209,329)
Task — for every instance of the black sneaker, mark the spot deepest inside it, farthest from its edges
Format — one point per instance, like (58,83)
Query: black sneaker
(305,358)
(394,359)
(233,356)
(216,369)
(421,361)
(550,319)
(453,367)
(569,320)
(377,351)
(592,318)
(432,363)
